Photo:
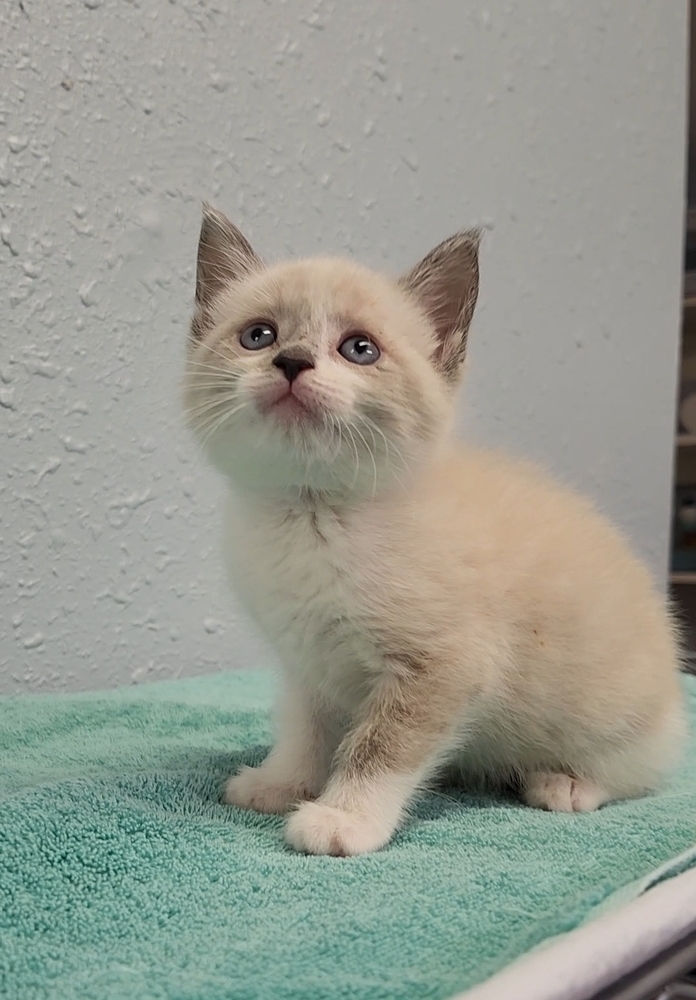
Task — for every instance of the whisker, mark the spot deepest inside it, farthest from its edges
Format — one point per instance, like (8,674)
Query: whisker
(337,433)
(221,384)
(209,371)
(202,422)
(220,422)
(190,363)
(357,453)
(225,357)
(210,410)
(388,446)
(230,410)
(212,401)
(227,370)
(374,463)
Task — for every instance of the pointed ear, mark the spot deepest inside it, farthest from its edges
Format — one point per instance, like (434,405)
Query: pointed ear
(224,255)
(446,284)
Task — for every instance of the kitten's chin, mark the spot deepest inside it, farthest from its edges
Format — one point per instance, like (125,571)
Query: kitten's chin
(291,461)
(284,450)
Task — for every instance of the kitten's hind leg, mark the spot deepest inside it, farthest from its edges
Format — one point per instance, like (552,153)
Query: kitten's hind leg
(562,793)
(634,768)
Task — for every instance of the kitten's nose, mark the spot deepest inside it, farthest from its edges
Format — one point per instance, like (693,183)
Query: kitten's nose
(291,367)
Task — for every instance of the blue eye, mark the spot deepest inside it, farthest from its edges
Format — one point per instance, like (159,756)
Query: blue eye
(359,349)
(257,336)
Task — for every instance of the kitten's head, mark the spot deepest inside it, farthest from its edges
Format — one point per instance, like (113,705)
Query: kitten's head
(319,375)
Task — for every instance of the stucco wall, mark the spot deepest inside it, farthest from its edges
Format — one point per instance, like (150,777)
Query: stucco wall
(371,128)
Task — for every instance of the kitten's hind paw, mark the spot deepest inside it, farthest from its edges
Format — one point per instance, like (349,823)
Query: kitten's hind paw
(561,793)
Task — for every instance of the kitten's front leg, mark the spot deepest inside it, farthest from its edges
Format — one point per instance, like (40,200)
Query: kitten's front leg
(298,765)
(407,727)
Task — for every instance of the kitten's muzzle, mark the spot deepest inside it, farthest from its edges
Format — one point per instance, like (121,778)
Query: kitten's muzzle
(292,364)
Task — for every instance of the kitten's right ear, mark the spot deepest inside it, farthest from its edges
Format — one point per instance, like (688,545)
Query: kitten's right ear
(446,284)
(225,255)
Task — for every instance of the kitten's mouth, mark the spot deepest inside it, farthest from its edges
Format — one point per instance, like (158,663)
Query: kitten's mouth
(289,407)
(286,405)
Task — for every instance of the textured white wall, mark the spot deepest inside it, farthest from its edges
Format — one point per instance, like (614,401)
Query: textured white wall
(373,128)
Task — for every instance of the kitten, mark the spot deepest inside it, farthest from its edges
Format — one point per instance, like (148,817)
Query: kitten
(433,607)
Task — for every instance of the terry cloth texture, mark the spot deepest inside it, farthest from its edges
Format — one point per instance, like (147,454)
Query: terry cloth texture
(122,875)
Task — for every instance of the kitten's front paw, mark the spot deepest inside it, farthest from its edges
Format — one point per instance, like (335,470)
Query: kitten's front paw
(316,828)
(259,789)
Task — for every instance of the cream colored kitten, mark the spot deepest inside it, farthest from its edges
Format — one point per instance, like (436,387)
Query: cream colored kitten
(433,607)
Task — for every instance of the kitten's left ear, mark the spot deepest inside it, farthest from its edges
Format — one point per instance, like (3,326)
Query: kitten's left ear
(224,255)
(446,284)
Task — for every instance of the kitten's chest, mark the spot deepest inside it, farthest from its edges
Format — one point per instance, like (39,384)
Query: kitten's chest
(303,576)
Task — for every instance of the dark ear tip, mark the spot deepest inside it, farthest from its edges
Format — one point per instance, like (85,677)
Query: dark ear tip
(473,237)
(209,212)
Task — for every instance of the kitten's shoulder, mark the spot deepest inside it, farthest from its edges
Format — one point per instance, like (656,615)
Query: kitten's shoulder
(492,477)
(491,463)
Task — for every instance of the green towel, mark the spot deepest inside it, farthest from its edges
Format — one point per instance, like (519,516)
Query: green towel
(122,875)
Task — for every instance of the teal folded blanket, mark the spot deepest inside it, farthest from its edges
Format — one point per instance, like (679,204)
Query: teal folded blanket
(122,875)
